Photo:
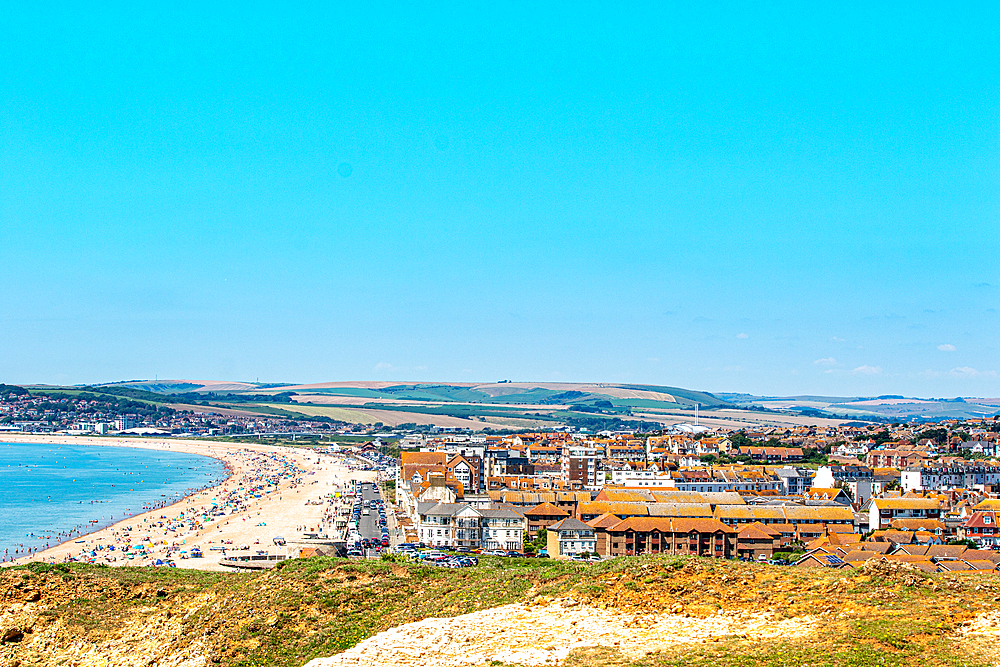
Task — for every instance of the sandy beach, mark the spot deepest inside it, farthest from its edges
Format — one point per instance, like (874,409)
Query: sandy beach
(272,491)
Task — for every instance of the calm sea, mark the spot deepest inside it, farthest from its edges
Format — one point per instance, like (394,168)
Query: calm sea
(47,490)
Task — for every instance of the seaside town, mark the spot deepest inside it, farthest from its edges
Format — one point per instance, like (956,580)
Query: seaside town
(833,496)
(927,495)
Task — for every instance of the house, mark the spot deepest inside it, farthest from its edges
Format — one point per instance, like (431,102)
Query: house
(817,494)
(434,524)
(821,558)
(757,542)
(966,475)
(935,526)
(982,528)
(856,480)
(570,537)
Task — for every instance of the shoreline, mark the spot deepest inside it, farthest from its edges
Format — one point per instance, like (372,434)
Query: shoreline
(258,475)
(75,533)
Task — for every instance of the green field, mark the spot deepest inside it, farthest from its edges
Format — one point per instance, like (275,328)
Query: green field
(339,414)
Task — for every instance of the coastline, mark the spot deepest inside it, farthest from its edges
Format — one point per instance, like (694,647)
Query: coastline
(79,532)
(265,482)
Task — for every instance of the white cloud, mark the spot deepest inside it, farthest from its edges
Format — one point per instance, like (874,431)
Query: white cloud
(733,369)
(653,360)
(383,366)
(742,336)
(867,370)
(946,347)
(827,361)
(837,340)
(967,372)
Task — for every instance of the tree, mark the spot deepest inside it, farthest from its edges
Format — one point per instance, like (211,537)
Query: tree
(740,439)
(966,542)
(540,542)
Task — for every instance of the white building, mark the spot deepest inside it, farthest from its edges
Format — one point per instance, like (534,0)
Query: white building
(461,525)
(939,478)
(644,478)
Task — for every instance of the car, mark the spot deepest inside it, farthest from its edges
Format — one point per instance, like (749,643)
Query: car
(594,558)
(463,550)
(355,553)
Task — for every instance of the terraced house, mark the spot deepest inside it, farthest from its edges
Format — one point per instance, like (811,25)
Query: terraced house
(968,475)
(883,511)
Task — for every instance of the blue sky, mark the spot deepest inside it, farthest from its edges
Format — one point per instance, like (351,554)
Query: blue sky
(764,198)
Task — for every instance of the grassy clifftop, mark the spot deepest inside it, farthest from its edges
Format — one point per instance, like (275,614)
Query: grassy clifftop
(310,608)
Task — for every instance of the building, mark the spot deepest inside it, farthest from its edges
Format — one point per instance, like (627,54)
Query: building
(883,511)
(542,516)
(757,542)
(667,535)
(857,480)
(461,525)
(971,475)
(570,537)
(502,529)
(772,454)
(794,481)
(893,458)
(626,476)
(581,464)
(125,422)
(981,527)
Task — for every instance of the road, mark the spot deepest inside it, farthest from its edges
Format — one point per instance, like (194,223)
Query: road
(369,527)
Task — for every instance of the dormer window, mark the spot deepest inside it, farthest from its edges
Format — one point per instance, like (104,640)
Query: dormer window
(987,519)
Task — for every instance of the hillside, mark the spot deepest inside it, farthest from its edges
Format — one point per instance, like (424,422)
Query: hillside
(636,611)
(498,406)
(888,408)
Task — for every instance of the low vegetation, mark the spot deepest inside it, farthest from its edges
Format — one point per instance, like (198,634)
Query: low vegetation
(321,606)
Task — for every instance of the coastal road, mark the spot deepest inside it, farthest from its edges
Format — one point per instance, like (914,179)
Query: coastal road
(368,526)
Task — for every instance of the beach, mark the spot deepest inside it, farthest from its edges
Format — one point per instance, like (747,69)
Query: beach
(272,492)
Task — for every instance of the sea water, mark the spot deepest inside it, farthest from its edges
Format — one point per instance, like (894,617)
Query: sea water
(50,493)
